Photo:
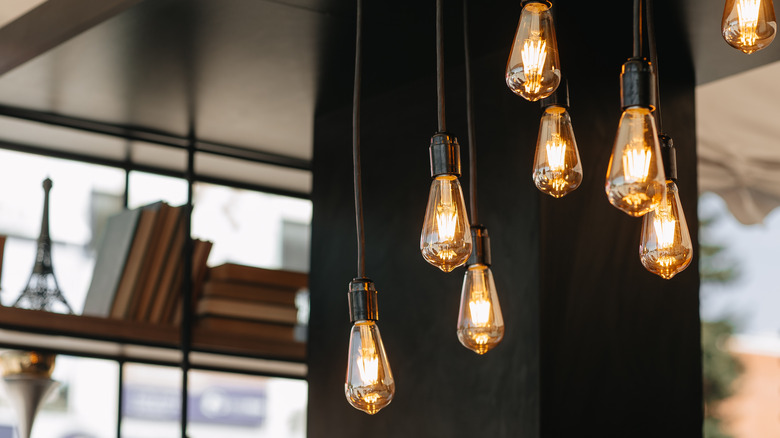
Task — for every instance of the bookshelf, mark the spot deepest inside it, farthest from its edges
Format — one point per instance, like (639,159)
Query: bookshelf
(187,345)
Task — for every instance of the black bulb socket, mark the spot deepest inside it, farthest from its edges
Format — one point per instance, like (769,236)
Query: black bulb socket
(480,246)
(445,155)
(363,300)
(637,84)
(559,97)
(544,2)
(669,156)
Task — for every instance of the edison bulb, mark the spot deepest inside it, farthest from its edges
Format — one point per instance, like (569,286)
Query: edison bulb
(749,25)
(533,70)
(445,241)
(557,167)
(369,385)
(480,323)
(666,248)
(635,178)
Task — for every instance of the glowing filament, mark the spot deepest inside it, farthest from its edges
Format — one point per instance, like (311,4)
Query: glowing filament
(368,362)
(534,54)
(747,14)
(446,215)
(556,152)
(480,311)
(636,164)
(665,226)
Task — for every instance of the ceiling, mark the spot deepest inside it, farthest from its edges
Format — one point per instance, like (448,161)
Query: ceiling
(252,74)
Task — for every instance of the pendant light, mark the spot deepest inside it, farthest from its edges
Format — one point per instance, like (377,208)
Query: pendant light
(635,177)
(369,384)
(557,168)
(666,248)
(749,25)
(533,69)
(480,322)
(445,241)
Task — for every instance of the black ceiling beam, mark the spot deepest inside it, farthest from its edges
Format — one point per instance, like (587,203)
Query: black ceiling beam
(102,161)
(50,24)
(133,133)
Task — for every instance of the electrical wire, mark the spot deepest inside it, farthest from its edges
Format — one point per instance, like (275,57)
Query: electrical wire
(440,65)
(356,171)
(652,46)
(470,120)
(637,29)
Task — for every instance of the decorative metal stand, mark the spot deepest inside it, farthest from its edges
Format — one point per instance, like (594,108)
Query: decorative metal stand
(28,383)
(42,291)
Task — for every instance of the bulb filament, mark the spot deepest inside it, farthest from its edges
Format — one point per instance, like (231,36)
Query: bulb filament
(556,152)
(636,163)
(480,310)
(534,54)
(665,227)
(747,14)
(446,214)
(368,362)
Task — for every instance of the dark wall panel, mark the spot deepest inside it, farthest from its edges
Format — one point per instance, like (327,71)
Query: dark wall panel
(595,345)
(442,388)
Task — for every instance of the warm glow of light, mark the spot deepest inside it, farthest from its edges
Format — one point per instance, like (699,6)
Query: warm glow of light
(748,21)
(665,226)
(368,362)
(556,152)
(534,54)
(480,310)
(636,162)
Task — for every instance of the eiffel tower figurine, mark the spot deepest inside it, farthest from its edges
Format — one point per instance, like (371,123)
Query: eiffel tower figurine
(42,291)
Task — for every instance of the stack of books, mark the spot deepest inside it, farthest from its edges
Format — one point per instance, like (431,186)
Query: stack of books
(244,301)
(139,268)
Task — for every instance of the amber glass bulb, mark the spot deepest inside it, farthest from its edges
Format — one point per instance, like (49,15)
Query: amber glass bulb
(635,178)
(533,70)
(445,241)
(369,385)
(666,248)
(480,323)
(749,25)
(557,168)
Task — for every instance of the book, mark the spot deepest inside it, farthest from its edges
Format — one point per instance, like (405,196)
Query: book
(243,327)
(200,256)
(158,254)
(2,250)
(247,310)
(136,269)
(250,292)
(169,285)
(250,274)
(114,248)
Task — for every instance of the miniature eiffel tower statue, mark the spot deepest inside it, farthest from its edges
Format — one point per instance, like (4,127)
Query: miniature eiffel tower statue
(42,291)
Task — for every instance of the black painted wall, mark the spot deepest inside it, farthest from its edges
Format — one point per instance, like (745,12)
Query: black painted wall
(595,345)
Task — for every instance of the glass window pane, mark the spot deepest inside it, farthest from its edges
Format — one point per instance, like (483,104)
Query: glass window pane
(151,401)
(248,227)
(146,188)
(82,197)
(740,327)
(84,405)
(238,406)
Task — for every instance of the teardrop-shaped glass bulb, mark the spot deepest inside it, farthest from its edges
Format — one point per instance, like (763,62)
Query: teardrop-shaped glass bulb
(369,385)
(445,241)
(480,323)
(635,178)
(557,168)
(666,247)
(533,70)
(749,25)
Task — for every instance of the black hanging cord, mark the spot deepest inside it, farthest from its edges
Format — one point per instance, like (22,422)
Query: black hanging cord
(637,29)
(470,119)
(361,237)
(652,46)
(440,64)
